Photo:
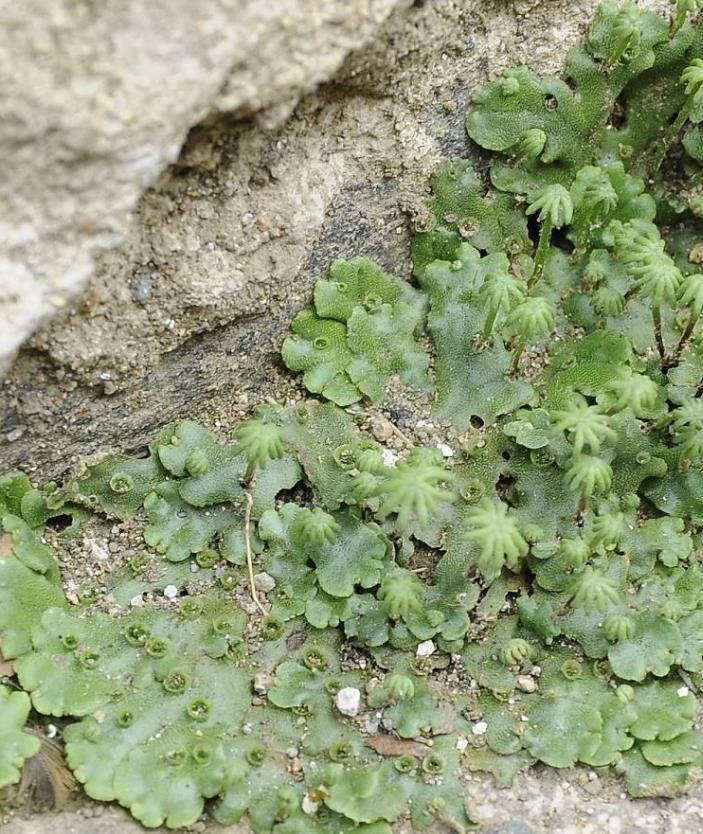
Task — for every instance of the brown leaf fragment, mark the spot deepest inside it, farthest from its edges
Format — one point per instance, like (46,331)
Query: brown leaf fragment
(391,746)
(5,544)
(46,780)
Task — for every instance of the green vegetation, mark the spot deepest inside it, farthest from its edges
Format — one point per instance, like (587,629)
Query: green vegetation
(300,582)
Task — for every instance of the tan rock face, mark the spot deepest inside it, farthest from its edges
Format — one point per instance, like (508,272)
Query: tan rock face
(97,98)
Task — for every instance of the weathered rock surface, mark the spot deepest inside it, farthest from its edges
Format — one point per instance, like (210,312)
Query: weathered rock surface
(96,99)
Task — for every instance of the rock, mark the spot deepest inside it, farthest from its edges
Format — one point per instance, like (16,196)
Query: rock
(264,582)
(348,701)
(309,806)
(381,429)
(262,683)
(526,684)
(170,592)
(426,649)
(97,100)
(479,728)
(390,458)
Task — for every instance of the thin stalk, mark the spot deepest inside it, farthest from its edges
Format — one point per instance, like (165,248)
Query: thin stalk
(582,508)
(490,321)
(669,137)
(518,353)
(545,236)
(685,337)
(677,22)
(250,560)
(657,317)
(699,390)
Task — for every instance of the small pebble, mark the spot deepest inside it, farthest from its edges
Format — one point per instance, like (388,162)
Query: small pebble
(381,429)
(446,450)
(526,684)
(262,683)
(682,692)
(170,592)
(390,458)
(479,728)
(308,806)
(264,582)
(348,701)
(462,743)
(426,649)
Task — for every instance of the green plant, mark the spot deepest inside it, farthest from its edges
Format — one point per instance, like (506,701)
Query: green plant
(16,744)
(555,526)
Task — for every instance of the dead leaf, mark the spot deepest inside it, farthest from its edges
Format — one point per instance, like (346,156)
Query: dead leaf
(5,545)
(391,746)
(46,780)
(7,669)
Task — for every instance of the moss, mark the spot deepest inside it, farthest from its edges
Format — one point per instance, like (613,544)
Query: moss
(562,533)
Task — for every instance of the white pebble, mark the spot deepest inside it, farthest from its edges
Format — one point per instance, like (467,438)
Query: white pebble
(390,458)
(426,649)
(309,806)
(479,728)
(682,692)
(348,701)
(97,551)
(446,450)
(170,592)
(462,743)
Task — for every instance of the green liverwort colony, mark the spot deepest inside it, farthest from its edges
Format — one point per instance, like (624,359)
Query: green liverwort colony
(324,634)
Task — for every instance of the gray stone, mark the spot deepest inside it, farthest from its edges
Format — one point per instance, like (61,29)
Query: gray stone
(98,98)
(348,701)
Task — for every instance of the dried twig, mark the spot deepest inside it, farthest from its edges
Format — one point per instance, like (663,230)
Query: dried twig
(247,543)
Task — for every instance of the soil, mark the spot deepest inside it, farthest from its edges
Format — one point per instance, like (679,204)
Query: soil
(186,319)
